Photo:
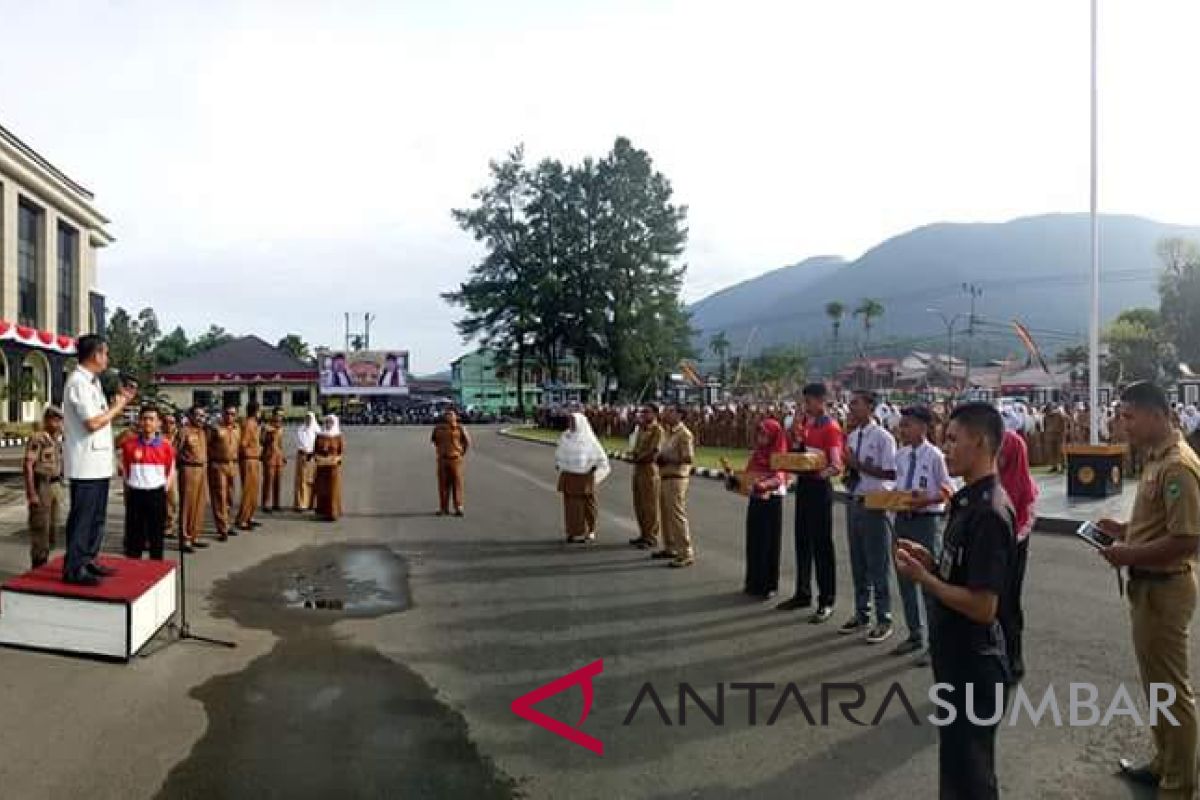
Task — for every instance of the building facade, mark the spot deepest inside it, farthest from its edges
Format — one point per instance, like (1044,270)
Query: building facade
(478,383)
(244,370)
(50,233)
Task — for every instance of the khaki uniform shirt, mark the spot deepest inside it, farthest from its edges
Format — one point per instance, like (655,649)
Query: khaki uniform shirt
(223,443)
(1168,497)
(645,447)
(679,451)
(192,446)
(249,442)
(46,454)
(451,442)
(272,442)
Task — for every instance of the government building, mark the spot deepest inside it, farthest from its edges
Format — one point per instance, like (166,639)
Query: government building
(49,234)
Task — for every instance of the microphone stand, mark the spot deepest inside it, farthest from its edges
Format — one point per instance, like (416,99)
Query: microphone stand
(181,627)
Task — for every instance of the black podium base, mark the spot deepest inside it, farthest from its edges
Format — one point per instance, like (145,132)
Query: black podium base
(1095,471)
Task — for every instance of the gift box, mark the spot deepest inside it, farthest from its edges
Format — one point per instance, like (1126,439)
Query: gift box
(888,501)
(798,462)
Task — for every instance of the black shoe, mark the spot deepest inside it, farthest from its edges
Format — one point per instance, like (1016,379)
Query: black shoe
(459,513)
(231,532)
(794,604)
(637,541)
(187,548)
(199,545)
(83,579)
(443,514)
(767,596)
(645,544)
(662,554)
(1142,776)
(99,571)
(253,524)
(268,511)
(855,625)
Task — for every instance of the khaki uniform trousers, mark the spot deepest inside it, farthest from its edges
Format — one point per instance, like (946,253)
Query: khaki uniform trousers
(673,517)
(450,483)
(191,497)
(272,483)
(1161,612)
(306,471)
(646,488)
(172,521)
(44,519)
(251,469)
(221,480)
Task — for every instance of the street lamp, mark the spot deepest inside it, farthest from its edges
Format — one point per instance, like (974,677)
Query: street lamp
(949,322)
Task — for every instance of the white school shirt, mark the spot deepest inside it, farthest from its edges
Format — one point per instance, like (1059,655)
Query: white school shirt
(87,456)
(873,447)
(930,475)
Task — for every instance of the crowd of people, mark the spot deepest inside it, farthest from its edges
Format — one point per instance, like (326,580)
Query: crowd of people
(169,471)
(957,550)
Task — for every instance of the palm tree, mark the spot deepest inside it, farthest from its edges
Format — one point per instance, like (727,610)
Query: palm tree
(870,310)
(836,312)
(719,345)
(1076,357)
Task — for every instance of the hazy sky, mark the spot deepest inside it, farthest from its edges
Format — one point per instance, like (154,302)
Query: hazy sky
(269,165)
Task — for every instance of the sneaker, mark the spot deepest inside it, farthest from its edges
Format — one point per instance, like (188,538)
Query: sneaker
(855,625)
(458,512)
(880,633)
(908,646)
(922,659)
(682,561)
(822,615)
(590,538)
(794,604)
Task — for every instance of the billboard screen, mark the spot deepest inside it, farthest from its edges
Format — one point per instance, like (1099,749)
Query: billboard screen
(365,372)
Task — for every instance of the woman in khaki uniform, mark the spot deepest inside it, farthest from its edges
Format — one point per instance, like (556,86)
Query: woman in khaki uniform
(306,442)
(327,485)
(582,465)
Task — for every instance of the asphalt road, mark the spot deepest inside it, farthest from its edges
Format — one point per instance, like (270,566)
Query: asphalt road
(397,678)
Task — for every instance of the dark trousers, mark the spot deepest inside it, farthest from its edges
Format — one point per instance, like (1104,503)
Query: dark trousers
(145,522)
(764,536)
(967,752)
(1013,640)
(85,524)
(814,540)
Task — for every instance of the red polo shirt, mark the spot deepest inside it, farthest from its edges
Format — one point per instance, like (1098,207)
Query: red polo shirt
(819,433)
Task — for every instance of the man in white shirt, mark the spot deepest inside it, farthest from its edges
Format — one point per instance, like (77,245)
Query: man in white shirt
(920,470)
(870,467)
(88,455)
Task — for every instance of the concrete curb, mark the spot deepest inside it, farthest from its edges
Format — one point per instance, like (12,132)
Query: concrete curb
(1055,525)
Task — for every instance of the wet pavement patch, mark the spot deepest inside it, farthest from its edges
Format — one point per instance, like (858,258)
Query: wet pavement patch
(317,717)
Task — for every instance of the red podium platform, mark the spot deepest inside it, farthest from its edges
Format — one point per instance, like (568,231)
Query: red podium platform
(113,620)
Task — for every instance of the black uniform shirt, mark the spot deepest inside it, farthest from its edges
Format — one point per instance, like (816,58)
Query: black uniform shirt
(979,552)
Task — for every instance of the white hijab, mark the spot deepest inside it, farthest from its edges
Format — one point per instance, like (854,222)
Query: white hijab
(332,426)
(306,436)
(579,450)
(1190,419)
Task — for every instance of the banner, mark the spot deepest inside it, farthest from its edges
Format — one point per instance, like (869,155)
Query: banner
(365,373)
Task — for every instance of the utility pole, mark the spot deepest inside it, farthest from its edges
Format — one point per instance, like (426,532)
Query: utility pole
(368,318)
(975,293)
(347,346)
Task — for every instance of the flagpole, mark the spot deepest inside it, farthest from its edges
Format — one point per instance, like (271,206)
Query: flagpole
(1094,344)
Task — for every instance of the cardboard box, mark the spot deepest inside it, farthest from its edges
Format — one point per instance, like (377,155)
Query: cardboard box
(798,462)
(889,501)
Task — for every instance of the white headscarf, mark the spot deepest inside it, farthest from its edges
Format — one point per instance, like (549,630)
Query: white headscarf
(332,426)
(579,450)
(306,436)
(1190,420)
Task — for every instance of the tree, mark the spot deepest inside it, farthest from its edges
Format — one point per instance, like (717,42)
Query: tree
(779,371)
(1137,348)
(719,345)
(295,347)
(500,296)
(836,312)
(1179,296)
(172,348)
(1076,357)
(870,310)
(211,339)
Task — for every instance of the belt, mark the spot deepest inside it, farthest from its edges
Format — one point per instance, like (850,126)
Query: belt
(918,514)
(194,464)
(213,461)
(48,479)
(1154,575)
(674,477)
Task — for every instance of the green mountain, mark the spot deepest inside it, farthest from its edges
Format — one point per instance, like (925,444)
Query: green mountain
(1035,269)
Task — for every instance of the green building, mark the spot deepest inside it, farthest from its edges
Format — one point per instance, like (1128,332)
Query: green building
(477,384)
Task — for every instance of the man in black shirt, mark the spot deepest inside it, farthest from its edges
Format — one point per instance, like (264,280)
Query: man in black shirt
(972,598)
